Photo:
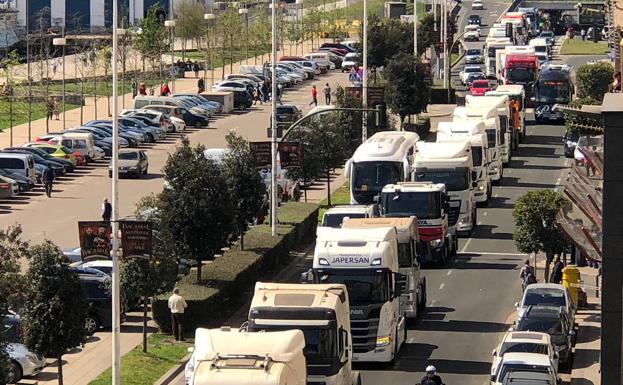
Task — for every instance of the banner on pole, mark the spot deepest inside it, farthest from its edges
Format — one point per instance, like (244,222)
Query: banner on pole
(136,239)
(95,240)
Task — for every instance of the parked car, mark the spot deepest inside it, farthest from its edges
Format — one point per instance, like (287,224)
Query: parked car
(526,377)
(131,162)
(546,294)
(554,321)
(23,363)
(350,60)
(55,150)
(16,183)
(23,163)
(524,342)
(339,46)
(570,141)
(100,302)
(103,265)
(288,113)
(69,166)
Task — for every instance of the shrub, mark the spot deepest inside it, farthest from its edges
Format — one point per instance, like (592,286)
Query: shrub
(593,80)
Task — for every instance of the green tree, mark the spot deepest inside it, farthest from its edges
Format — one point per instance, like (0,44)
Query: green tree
(189,23)
(535,217)
(56,307)
(593,80)
(409,93)
(153,40)
(229,29)
(196,208)
(245,184)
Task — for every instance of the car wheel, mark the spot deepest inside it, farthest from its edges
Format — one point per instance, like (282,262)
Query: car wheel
(145,172)
(15,373)
(151,138)
(198,124)
(91,324)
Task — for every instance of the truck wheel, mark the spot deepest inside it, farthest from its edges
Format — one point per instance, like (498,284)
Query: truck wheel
(15,373)
(421,306)
(356,378)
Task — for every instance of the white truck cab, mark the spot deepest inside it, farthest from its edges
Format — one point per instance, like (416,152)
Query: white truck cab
(322,313)
(517,120)
(366,261)
(335,216)
(231,356)
(452,165)
(501,103)
(413,299)
(474,133)
(384,158)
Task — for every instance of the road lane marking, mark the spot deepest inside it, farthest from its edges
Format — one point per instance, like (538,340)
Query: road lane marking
(449,272)
(469,240)
(442,286)
(493,253)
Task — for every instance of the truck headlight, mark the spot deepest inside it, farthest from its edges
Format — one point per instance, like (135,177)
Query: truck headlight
(481,188)
(463,220)
(436,243)
(383,341)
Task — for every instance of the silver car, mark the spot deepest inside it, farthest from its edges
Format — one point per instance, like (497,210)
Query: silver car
(132,162)
(23,362)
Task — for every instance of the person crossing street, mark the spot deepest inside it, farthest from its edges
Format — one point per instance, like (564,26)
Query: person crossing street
(314,93)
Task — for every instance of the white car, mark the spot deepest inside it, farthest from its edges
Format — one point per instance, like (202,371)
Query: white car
(98,153)
(103,265)
(524,362)
(474,56)
(472,32)
(477,4)
(350,60)
(23,362)
(178,123)
(546,294)
(524,342)
(464,74)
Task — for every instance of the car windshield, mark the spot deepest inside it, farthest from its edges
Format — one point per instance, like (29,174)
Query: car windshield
(66,150)
(364,287)
(523,347)
(523,75)
(546,34)
(508,368)
(335,220)
(551,326)
(423,205)
(472,69)
(545,297)
(128,156)
(473,52)
(479,83)
(369,178)
(455,180)
(12,331)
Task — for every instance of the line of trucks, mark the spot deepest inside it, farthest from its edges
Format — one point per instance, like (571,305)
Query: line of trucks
(516,53)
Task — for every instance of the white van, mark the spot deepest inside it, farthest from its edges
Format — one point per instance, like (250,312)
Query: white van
(81,142)
(321,58)
(19,163)
(142,101)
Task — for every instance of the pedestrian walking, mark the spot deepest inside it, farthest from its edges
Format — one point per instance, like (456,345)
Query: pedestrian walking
(196,69)
(527,275)
(556,276)
(200,86)
(265,91)
(177,304)
(54,66)
(314,93)
(583,34)
(142,90)
(58,104)
(279,91)
(257,96)
(165,91)
(50,108)
(106,210)
(327,93)
(48,180)
(134,88)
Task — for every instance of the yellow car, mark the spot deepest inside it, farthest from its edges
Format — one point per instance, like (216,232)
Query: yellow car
(55,150)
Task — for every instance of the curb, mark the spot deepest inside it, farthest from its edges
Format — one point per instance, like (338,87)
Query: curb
(173,372)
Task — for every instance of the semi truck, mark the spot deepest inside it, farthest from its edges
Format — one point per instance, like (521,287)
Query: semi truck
(384,158)
(492,46)
(474,133)
(366,261)
(452,165)
(428,202)
(413,299)
(501,106)
(517,118)
(322,313)
(232,356)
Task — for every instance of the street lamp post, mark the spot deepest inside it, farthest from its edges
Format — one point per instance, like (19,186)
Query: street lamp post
(62,42)
(245,12)
(170,24)
(364,86)
(415,28)
(210,17)
(273,121)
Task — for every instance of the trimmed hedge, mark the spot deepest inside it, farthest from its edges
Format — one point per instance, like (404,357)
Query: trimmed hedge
(229,276)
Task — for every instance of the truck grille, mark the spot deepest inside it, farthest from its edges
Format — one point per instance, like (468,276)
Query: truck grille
(364,334)
(453,215)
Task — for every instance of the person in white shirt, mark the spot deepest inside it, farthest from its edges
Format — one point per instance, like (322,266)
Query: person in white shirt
(177,304)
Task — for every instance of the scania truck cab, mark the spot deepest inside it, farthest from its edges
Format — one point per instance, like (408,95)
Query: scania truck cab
(384,158)
(413,299)
(492,46)
(322,313)
(517,119)
(366,261)
(450,164)
(428,202)
(501,106)
(474,133)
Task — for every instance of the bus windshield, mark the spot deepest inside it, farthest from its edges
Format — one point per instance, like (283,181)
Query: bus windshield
(424,205)
(455,180)
(369,178)
(553,92)
(365,287)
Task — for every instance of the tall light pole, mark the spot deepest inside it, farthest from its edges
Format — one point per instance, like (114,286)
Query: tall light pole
(170,24)
(364,86)
(62,42)
(116,293)
(444,36)
(245,12)
(210,17)
(273,121)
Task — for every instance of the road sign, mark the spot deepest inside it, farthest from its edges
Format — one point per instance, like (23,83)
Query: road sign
(94,239)
(261,153)
(376,95)
(136,239)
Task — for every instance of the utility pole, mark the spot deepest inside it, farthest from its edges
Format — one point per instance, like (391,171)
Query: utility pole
(444,36)
(273,121)
(364,86)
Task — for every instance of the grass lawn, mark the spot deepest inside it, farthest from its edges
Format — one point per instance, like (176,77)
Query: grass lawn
(579,47)
(20,112)
(138,368)
(101,88)
(341,196)
(220,61)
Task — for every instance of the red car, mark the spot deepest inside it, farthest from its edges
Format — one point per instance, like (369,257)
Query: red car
(479,87)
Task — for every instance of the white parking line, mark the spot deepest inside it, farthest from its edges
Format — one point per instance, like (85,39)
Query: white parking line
(465,245)
(442,286)
(449,272)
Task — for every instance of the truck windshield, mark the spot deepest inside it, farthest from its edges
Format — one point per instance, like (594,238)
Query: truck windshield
(405,255)
(520,75)
(477,156)
(423,205)
(335,220)
(490,137)
(365,287)
(369,178)
(552,92)
(320,343)
(455,180)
